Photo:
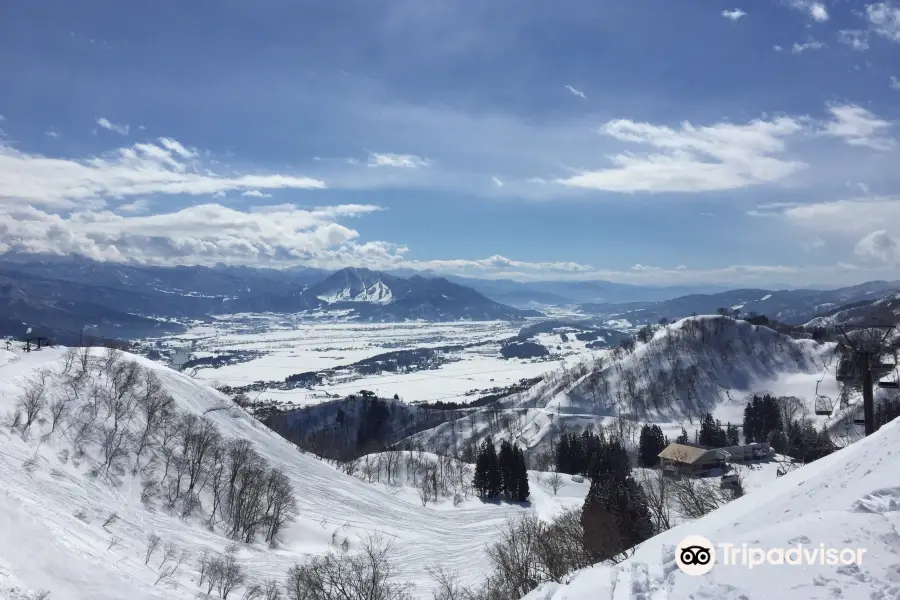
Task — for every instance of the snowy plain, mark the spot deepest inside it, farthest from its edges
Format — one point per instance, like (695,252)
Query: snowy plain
(296,345)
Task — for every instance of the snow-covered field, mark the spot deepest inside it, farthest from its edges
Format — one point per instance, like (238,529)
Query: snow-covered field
(294,345)
(52,510)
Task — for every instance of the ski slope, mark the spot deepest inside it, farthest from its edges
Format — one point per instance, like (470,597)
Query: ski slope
(52,510)
(696,365)
(850,499)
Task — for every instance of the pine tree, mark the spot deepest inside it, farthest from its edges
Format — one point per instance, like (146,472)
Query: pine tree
(652,442)
(487,479)
(708,431)
(520,476)
(506,465)
(731,432)
(750,429)
(683,438)
(615,516)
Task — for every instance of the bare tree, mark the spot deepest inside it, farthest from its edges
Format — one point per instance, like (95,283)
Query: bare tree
(658,494)
(153,542)
(153,404)
(112,518)
(33,400)
(367,575)
(447,583)
(169,567)
(695,497)
(280,505)
(231,575)
(170,551)
(555,481)
(59,410)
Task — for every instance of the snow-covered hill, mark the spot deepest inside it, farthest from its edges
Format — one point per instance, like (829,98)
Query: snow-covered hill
(884,311)
(57,496)
(850,499)
(697,365)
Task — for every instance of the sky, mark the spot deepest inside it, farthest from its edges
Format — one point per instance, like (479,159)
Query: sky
(638,141)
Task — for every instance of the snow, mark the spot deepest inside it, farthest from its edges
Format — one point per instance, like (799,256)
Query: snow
(378,293)
(733,361)
(766,297)
(52,511)
(302,345)
(850,499)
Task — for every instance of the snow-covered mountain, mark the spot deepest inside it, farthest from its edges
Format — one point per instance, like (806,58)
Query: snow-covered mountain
(850,499)
(376,296)
(59,297)
(696,365)
(787,306)
(356,285)
(884,311)
(77,506)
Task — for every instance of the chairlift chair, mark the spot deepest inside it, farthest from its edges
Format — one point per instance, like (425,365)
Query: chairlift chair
(824,406)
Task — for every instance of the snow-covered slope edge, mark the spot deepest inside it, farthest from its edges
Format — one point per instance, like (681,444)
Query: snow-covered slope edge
(52,511)
(850,499)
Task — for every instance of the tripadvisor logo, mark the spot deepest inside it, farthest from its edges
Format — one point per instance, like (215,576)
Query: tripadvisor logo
(696,555)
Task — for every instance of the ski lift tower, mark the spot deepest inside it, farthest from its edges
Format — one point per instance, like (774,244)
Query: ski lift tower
(866,346)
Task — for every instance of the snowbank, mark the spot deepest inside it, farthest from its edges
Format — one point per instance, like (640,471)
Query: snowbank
(850,499)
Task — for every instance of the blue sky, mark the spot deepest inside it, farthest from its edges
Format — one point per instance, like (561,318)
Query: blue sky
(645,141)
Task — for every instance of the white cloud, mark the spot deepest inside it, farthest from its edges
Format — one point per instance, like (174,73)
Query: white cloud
(497,181)
(575,92)
(107,124)
(855,38)
(256,194)
(405,161)
(691,158)
(733,15)
(884,19)
(809,44)
(161,167)
(878,247)
(851,217)
(814,244)
(859,127)
(815,10)
(51,134)
(141,205)
(777,48)
(895,83)
(201,234)
(640,267)
(504,266)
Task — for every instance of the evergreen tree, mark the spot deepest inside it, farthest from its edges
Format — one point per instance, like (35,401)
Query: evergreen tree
(731,432)
(487,479)
(506,465)
(615,515)
(520,476)
(652,442)
(749,423)
(709,432)
(683,438)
